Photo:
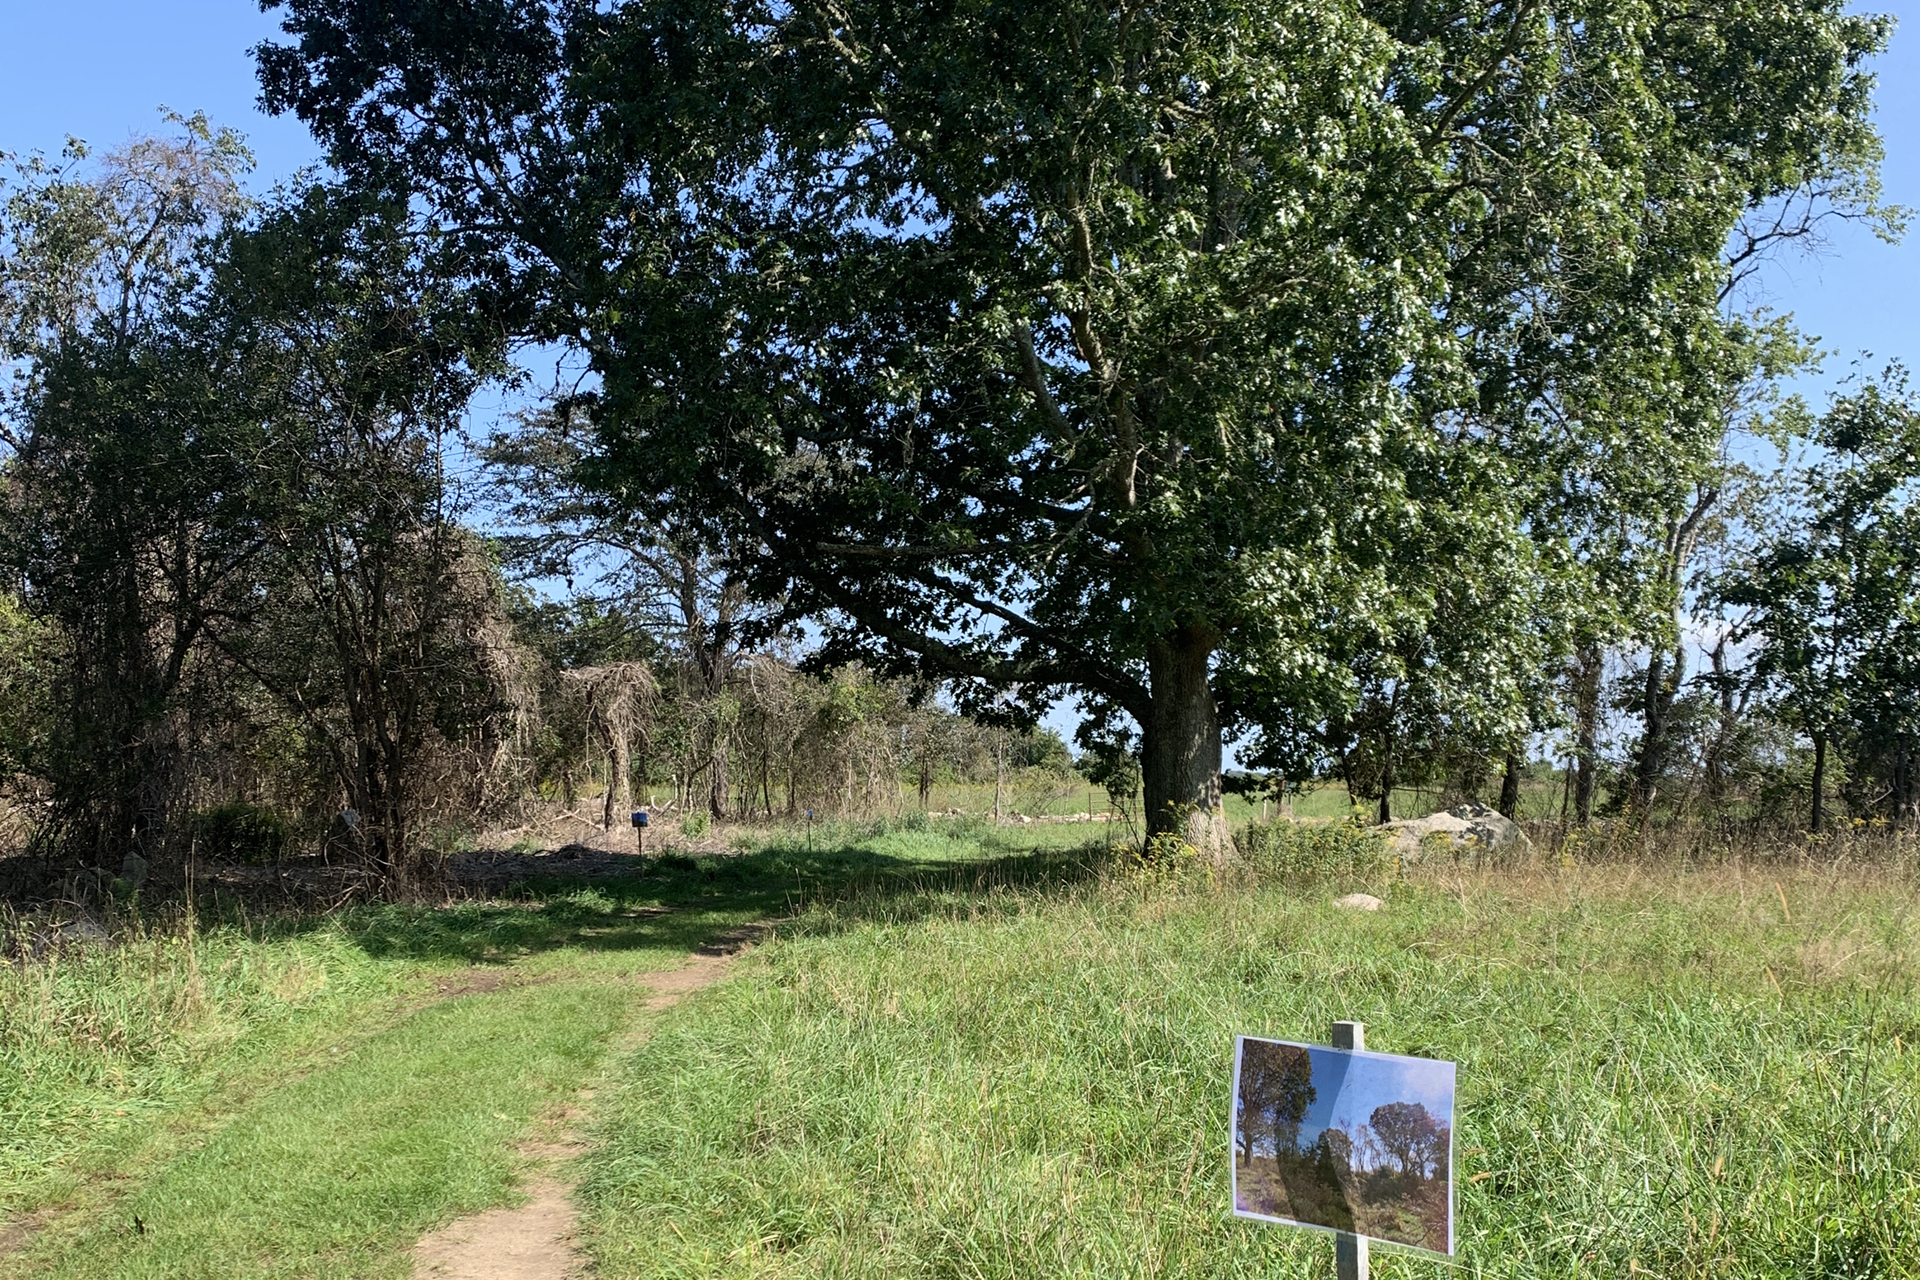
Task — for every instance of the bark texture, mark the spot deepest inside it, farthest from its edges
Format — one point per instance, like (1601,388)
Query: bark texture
(1510,788)
(1180,751)
(1588,668)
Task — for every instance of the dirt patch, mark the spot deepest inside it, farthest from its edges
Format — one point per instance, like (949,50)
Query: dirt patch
(533,1242)
(17,1233)
(477,981)
(705,967)
(536,1240)
(493,868)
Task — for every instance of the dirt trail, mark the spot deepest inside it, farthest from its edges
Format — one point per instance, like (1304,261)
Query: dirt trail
(536,1241)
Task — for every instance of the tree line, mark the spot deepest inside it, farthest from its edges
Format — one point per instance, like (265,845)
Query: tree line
(245,592)
(1375,385)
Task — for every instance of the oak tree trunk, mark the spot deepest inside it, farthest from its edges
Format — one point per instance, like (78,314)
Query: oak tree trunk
(1586,717)
(717,779)
(1510,788)
(1180,748)
(1819,781)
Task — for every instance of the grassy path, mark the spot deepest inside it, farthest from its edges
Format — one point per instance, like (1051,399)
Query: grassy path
(316,1097)
(955,1062)
(334,1162)
(535,1241)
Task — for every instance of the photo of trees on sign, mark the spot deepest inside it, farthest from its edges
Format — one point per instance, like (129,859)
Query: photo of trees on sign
(1345,1140)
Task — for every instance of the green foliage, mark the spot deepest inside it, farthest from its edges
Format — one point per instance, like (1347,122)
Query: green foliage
(1834,594)
(1110,766)
(217,406)
(28,661)
(1311,851)
(695,824)
(127,468)
(1305,344)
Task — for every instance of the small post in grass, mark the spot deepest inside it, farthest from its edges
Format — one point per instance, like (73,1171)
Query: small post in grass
(1349,1249)
(809,830)
(640,829)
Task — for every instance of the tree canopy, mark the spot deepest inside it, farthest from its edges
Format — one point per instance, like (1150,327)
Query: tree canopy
(1151,352)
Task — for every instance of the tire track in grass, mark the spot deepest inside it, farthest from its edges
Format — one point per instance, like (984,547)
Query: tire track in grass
(332,1172)
(536,1240)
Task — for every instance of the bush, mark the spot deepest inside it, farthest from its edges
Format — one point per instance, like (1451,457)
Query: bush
(1311,849)
(695,824)
(240,832)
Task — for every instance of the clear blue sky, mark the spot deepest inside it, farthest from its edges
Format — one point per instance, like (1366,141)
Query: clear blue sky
(1348,1086)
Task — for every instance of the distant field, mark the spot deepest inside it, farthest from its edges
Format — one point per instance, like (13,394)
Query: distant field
(1048,796)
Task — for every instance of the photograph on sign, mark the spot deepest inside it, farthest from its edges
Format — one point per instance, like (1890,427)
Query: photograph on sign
(1344,1140)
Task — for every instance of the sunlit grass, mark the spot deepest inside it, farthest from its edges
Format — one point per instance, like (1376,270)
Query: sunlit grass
(979,1051)
(1662,1075)
(304,1095)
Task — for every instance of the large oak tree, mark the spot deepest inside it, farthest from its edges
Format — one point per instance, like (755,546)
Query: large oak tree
(1162,352)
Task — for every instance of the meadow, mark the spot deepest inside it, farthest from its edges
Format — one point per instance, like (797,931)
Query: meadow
(982,1052)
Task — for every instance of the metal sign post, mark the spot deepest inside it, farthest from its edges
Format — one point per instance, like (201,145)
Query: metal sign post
(640,829)
(1349,1250)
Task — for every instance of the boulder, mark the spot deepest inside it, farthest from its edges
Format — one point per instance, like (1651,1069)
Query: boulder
(1467,832)
(1359,902)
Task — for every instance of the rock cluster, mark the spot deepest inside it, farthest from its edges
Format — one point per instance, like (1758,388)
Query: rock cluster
(1467,832)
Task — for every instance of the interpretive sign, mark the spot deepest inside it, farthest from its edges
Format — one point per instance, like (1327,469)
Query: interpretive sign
(1344,1140)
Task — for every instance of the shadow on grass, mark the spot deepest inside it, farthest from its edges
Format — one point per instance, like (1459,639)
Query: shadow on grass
(681,902)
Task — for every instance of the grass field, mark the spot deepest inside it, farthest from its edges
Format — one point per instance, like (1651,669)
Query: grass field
(978,1053)
(1661,1074)
(307,1097)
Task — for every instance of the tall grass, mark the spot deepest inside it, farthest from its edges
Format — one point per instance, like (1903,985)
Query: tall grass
(1668,1073)
(95,1039)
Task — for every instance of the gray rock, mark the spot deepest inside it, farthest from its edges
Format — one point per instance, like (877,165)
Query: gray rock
(1467,832)
(82,930)
(1359,902)
(43,937)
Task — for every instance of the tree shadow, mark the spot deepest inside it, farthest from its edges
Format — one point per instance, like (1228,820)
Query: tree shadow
(678,902)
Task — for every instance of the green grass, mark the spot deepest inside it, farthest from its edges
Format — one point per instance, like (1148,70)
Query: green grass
(337,1173)
(305,1096)
(99,1045)
(978,1052)
(1658,1075)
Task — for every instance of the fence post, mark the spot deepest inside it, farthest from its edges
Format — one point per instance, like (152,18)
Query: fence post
(1349,1249)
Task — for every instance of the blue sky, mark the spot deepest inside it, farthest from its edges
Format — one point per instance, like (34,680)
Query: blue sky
(100,69)
(1348,1086)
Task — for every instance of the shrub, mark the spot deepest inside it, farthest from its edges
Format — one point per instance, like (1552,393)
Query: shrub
(240,832)
(1311,849)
